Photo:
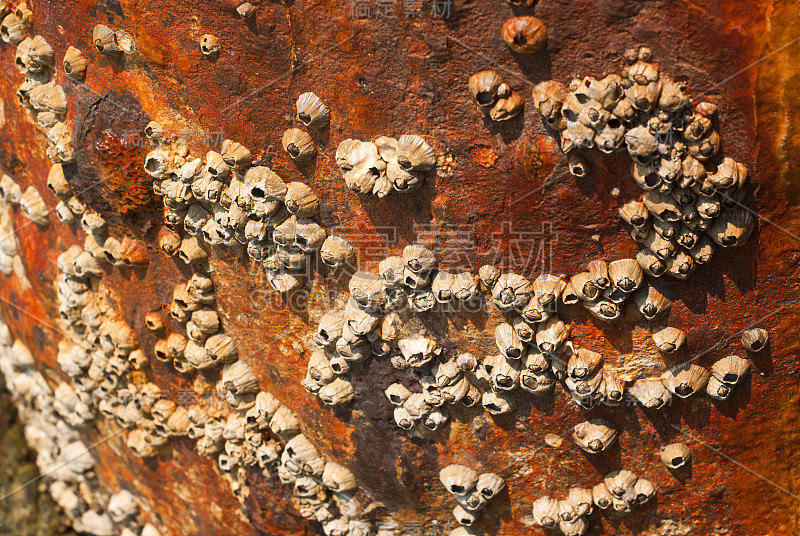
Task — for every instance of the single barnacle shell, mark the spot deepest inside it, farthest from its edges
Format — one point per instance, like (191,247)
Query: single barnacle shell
(418,351)
(509,342)
(675,455)
(651,393)
(299,145)
(669,339)
(309,235)
(10,191)
(488,275)
(663,248)
(498,403)
(209,45)
(301,200)
(486,87)
(75,64)
(340,391)
(635,213)
(705,148)
(397,394)
(236,155)
(312,112)
(511,291)
(643,490)
(578,166)
(435,418)
(489,485)
(536,382)
(12,29)
(581,500)
(441,286)
(584,286)
(650,302)
(464,286)
(504,374)
(755,339)
(466,362)
(576,527)
(567,511)
(603,309)
(507,108)
(33,206)
(418,259)
(105,40)
(525,331)
(595,436)
(191,252)
(414,153)
(548,98)
(57,183)
(545,512)
(329,328)
(524,35)
(534,312)
(619,482)
(548,288)
(625,274)
(598,273)
(732,227)
(601,497)
(338,478)
(717,389)
(685,379)
(662,205)
(552,334)
(650,263)
(458,479)
(584,363)
(730,369)
(464,516)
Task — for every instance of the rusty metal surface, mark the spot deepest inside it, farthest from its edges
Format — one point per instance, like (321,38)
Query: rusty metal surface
(389,77)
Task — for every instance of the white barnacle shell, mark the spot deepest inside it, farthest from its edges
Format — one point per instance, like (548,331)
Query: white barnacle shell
(403,418)
(732,227)
(675,455)
(685,379)
(536,382)
(625,274)
(680,266)
(33,206)
(584,363)
(12,29)
(581,499)
(717,389)
(498,403)
(598,273)
(465,517)
(651,393)
(441,286)
(312,112)
(238,385)
(508,341)
(643,490)
(397,394)
(619,482)
(340,391)
(669,339)
(418,259)
(729,370)
(236,155)
(488,276)
(548,288)
(298,144)
(576,527)
(466,361)
(359,321)
(329,328)
(338,478)
(634,213)
(366,290)
(360,164)
(651,264)
(191,252)
(489,485)
(582,286)
(458,479)
(567,511)
(414,153)
(650,302)
(552,335)
(309,235)
(524,330)
(504,374)
(10,191)
(337,252)
(594,436)
(755,339)
(464,286)
(511,291)
(418,351)
(601,497)
(612,387)
(545,512)
(301,200)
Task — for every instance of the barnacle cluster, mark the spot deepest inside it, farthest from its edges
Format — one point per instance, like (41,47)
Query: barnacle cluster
(494,97)
(224,202)
(52,419)
(471,490)
(621,490)
(378,167)
(693,195)
(45,99)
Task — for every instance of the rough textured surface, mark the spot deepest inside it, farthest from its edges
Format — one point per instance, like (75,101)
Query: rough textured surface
(409,76)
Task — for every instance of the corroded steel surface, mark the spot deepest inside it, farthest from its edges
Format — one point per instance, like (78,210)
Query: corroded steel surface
(389,77)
